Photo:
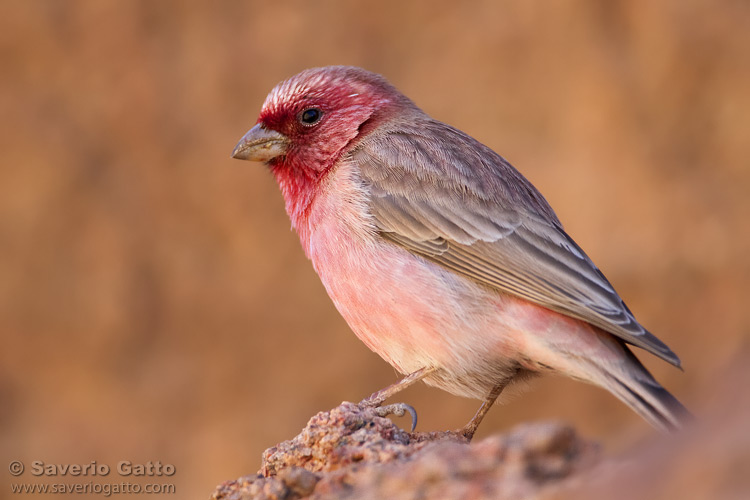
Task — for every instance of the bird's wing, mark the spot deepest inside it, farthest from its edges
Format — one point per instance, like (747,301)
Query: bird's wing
(444,196)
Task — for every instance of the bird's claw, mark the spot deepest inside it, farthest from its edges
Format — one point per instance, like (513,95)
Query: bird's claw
(398,409)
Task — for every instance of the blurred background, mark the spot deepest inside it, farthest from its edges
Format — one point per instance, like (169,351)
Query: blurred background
(154,304)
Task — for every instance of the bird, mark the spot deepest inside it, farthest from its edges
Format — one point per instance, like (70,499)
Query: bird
(441,256)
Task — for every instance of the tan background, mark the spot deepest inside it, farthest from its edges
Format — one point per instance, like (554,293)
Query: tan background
(154,304)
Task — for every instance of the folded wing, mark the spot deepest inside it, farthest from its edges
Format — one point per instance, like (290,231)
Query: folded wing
(444,196)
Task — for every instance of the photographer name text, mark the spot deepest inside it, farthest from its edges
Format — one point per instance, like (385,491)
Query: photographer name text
(94,468)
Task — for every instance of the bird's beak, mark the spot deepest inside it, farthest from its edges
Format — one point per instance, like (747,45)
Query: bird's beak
(260,144)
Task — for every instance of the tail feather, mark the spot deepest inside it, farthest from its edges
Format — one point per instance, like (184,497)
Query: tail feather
(637,388)
(655,404)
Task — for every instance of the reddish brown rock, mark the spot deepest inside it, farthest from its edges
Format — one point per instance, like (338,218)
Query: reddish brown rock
(350,452)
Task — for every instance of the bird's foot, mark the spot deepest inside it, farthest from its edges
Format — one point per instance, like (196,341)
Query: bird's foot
(397,409)
(466,432)
(371,401)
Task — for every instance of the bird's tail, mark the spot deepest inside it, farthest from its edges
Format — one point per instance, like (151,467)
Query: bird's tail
(589,354)
(637,388)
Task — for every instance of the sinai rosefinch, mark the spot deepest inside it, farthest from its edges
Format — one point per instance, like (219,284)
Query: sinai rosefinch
(439,254)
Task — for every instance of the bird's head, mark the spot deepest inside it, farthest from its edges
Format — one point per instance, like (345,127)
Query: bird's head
(308,121)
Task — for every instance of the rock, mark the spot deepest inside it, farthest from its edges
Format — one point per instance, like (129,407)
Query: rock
(350,452)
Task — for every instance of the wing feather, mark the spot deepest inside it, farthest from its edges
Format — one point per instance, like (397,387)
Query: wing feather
(444,196)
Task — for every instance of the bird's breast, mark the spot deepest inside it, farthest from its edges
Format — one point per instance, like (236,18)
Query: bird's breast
(410,311)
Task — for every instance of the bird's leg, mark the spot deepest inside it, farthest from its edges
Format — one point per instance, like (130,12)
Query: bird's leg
(469,429)
(377,398)
(398,409)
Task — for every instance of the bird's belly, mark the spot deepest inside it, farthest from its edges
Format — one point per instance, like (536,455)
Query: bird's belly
(414,313)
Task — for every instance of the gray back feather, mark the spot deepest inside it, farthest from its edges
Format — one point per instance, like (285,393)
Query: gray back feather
(444,196)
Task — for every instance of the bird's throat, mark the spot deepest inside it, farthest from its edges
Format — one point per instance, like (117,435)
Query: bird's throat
(298,187)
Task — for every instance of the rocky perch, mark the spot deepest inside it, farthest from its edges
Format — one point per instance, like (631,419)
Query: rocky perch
(351,452)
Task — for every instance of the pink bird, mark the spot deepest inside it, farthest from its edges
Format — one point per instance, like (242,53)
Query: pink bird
(442,258)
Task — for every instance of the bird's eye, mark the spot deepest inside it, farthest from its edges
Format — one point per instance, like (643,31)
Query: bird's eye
(310,116)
